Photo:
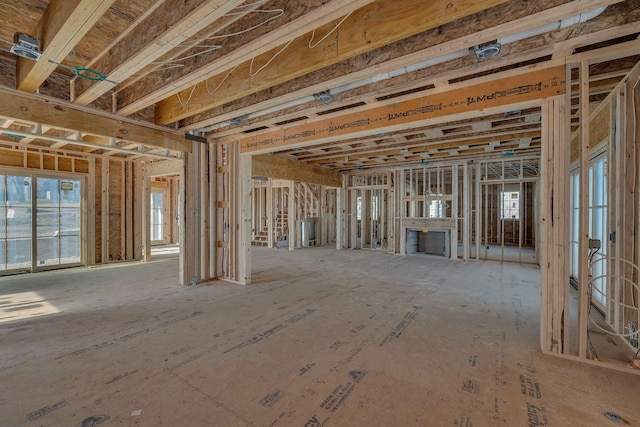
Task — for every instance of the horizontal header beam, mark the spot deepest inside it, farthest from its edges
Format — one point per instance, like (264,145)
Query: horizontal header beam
(514,89)
(281,168)
(64,115)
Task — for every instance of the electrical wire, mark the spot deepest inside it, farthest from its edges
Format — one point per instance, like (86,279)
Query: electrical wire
(280,12)
(184,104)
(313,34)
(252,74)
(591,254)
(85,73)
(206,82)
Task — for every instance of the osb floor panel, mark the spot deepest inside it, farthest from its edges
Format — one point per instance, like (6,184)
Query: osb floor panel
(348,338)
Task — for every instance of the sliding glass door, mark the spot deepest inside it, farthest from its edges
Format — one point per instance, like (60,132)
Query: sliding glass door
(53,236)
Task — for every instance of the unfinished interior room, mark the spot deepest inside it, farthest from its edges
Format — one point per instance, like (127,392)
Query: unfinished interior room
(319,213)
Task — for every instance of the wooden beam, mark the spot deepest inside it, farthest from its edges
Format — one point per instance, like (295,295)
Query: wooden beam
(281,168)
(403,114)
(63,25)
(142,94)
(175,22)
(584,294)
(366,29)
(164,168)
(435,43)
(64,115)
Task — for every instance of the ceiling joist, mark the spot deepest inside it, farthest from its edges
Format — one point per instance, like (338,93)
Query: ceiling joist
(180,21)
(170,82)
(63,25)
(364,30)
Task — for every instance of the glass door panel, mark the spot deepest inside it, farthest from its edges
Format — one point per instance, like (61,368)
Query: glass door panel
(15,234)
(58,221)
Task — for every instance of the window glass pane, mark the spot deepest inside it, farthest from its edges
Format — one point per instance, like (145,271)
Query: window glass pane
(57,221)
(157,216)
(15,230)
(510,204)
(69,249)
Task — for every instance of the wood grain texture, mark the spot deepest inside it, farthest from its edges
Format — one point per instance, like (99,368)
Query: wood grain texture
(280,168)
(64,24)
(366,29)
(60,114)
(509,90)
(174,22)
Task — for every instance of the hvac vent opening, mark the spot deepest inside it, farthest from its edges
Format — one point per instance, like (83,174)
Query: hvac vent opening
(344,107)
(405,92)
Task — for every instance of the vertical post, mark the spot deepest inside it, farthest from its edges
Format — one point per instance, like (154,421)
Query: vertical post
(146,214)
(466,213)
(391,211)
(521,213)
(213,210)
(138,209)
(203,238)
(105,209)
(188,238)
(128,210)
(270,213)
(90,215)
(245,221)
(340,213)
(478,216)
(353,215)
(291,211)
(195,195)
(124,218)
(454,209)
(583,242)
(554,217)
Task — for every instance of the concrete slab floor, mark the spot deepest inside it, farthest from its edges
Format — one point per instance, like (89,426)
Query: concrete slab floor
(323,337)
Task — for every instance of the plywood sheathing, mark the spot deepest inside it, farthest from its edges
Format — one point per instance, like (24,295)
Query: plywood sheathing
(426,345)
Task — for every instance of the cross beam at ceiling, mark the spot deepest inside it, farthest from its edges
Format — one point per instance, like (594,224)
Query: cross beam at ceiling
(516,88)
(364,30)
(64,115)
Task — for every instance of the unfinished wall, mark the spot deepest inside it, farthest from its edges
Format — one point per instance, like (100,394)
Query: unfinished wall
(116,211)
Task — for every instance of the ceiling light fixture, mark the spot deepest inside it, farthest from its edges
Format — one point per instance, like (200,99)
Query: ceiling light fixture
(487,51)
(324,97)
(237,121)
(26,47)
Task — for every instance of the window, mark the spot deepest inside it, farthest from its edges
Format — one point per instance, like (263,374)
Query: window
(359,208)
(597,224)
(436,208)
(510,204)
(575,222)
(374,208)
(157,216)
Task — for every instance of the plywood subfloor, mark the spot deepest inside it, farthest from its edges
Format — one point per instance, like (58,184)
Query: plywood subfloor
(348,338)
